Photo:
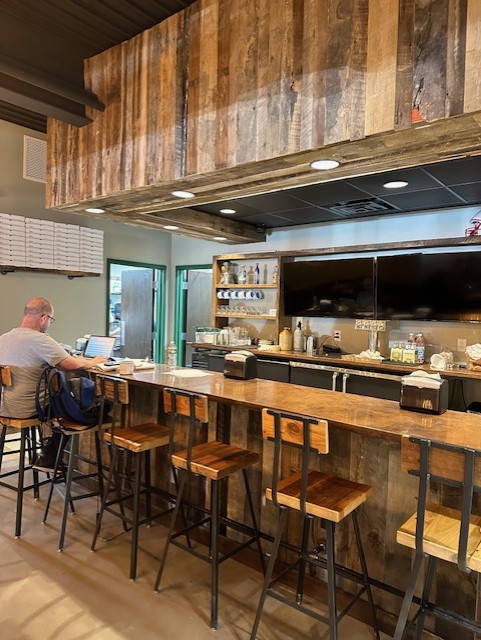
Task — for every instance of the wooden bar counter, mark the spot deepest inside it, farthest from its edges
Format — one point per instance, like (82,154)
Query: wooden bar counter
(364,441)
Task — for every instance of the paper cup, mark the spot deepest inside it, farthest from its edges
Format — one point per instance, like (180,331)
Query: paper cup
(126,368)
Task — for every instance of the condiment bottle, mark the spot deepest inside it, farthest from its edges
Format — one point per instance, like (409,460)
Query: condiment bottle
(285,339)
(420,348)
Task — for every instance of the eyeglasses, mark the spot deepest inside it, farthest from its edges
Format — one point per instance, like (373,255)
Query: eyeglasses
(51,318)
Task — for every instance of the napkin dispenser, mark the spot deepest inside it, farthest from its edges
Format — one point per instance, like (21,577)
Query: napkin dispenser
(425,392)
(240,364)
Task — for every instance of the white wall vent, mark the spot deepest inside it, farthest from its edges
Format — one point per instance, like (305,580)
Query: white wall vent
(34,159)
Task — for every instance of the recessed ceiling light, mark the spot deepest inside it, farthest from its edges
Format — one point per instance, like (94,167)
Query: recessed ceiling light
(219,238)
(395,184)
(324,165)
(228,212)
(170,227)
(94,210)
(183,194)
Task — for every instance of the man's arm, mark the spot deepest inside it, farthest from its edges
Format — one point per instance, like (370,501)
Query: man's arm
(71,363)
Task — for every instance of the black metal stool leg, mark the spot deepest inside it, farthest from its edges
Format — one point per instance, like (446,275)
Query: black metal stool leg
(135,516)
(214,551)
(21,480)
(98,452)
(74,440)
(182,510)
(57,465)
(270,570)
(173,518)
(113,461)
(428,580)
(302,565)
(2,444)
(331,579)
(33,456)
(254,519)
(362,559)
(408,598)
(148,504)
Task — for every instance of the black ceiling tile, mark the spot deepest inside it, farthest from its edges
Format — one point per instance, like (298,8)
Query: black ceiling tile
(240,208)
(266,219)
(469,192)
(276,201)
(429,199)
(327,193)
(459,171)
(309,215)
(416,178)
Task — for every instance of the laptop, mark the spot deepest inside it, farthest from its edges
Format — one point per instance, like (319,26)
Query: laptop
(99,346)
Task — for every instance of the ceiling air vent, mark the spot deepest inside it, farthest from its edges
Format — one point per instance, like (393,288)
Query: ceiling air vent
(357,207)
(34,159)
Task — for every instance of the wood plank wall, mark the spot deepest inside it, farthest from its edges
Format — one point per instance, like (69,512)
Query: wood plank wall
(230,82)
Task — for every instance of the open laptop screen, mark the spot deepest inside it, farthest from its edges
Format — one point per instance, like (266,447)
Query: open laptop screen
(99,346)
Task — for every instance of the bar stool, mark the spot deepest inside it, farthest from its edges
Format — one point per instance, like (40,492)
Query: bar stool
(315,495)
(27,451)
(215,462)
(69,444)
(127,442)
(438,532)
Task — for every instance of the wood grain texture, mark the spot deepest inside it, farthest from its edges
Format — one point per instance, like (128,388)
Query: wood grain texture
(292,431)
(216,460)
(142,437)
(232,97)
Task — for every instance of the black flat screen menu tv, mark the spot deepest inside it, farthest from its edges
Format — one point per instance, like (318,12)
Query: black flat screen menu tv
(329,288)
(436,286)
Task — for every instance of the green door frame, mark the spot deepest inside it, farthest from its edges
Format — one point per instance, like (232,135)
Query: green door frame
(180,308)
(159,301)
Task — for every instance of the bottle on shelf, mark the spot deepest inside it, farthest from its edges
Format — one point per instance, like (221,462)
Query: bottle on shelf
(285,339)
(171,355)
(409,350)
(242,277)
(257,274)
(299,338)
(420,348)
(396,352)
(275,275)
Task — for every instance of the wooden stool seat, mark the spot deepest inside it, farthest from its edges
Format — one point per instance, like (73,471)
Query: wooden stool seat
(215,460)
(142,437)
(441,535)
(19,423)
(327,497)
(437,532)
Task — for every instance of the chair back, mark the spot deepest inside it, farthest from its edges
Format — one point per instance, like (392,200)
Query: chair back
(451,465)
(291,429)
(114,397)
(5,381)
(184,404)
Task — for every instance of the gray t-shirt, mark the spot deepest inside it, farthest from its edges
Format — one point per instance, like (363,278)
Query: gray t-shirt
(26,351)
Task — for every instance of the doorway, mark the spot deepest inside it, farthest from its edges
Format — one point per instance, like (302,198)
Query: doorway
(136,301)
(193,306)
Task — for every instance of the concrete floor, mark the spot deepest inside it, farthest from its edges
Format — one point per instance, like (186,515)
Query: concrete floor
(76,594)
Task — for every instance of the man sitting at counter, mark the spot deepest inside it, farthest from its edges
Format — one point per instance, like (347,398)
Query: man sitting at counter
(27,349)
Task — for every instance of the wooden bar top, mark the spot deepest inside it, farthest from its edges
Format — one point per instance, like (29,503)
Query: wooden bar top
(366,415)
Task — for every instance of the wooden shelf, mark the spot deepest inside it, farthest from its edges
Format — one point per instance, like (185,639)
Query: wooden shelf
(62,272)
(245,315)
(246,286)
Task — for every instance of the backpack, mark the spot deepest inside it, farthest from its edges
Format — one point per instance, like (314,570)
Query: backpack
(59,396)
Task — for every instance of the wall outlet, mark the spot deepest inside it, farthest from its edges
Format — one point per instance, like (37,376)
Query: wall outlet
(336,335)
(462,342)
